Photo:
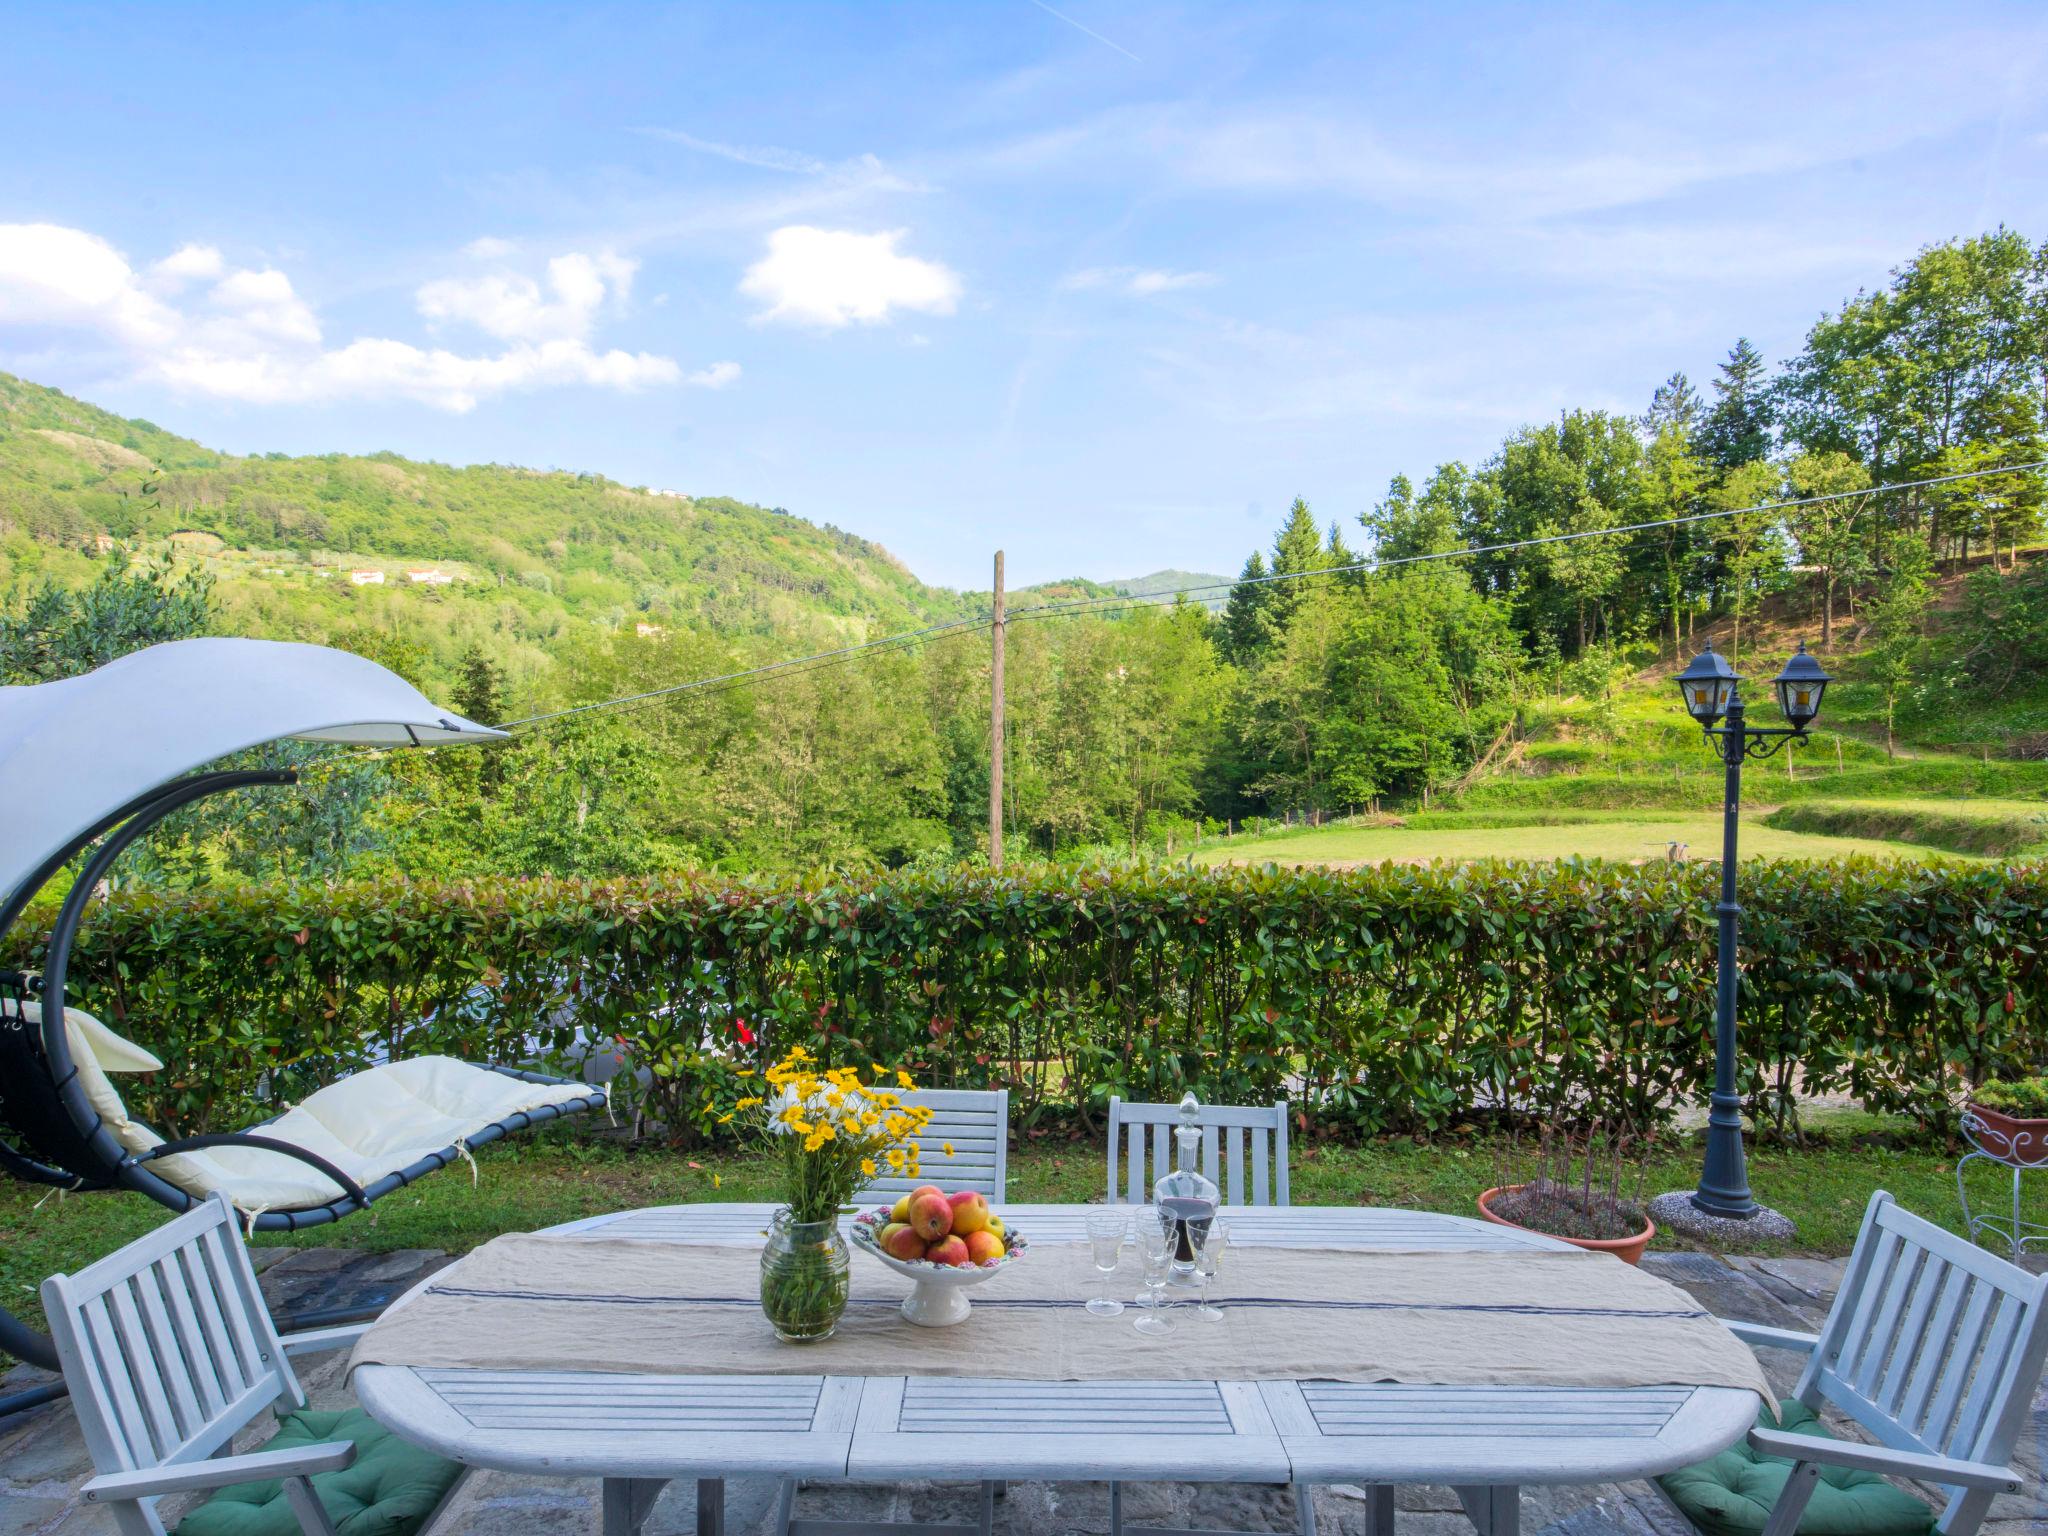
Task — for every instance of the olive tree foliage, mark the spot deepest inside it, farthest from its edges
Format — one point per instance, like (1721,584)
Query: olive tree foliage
(53,632)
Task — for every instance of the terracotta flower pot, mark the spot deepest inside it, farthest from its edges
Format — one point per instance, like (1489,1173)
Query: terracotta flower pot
(2012,1139)
(1627,1249)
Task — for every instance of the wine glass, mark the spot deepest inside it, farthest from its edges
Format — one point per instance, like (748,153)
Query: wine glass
(1155,1245)
(1208,1259)
(1106,1231)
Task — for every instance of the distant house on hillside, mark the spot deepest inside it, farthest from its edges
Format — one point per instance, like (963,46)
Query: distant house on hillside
(429,578)
(648,631)
(366,578)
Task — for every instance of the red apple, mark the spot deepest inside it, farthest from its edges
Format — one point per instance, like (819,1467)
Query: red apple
(983,1246)
(970,1212)
(931,1216)
(949,1250)
(900,1241)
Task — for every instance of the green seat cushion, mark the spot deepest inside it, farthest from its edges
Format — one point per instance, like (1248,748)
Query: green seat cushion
(389,1490)
(1732,1494)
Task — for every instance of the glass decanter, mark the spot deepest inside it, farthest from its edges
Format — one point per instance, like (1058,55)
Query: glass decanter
(1187,1196)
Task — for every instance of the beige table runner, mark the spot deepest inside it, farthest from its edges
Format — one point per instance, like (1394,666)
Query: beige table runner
(1530,1318)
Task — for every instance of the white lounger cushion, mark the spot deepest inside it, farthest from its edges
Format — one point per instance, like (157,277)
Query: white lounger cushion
(367,1125)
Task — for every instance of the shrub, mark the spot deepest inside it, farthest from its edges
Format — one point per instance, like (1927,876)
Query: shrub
(1389,998)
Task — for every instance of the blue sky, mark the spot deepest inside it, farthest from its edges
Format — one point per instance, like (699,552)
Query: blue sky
(1105,285)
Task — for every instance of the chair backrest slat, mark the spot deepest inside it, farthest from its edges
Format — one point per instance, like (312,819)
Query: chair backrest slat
(192,1345)
(1918,1401)
(167,1348)
(1933,1345)
(1890,1392)
(172,1370)
(1231,1136)
(976,1124)
(198,1276)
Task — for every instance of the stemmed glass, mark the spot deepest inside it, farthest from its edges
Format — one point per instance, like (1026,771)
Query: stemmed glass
(1208,1259)
(1106,1231)
(1155,1245)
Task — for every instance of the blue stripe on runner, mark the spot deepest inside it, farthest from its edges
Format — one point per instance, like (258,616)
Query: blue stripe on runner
(1276,1303)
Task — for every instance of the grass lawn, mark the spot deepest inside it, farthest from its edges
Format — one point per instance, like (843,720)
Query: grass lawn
(560,1176)
(1601,837)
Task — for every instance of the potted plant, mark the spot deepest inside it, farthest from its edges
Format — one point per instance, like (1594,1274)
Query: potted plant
(1588,1210)
(2010,1120)
(832,1133)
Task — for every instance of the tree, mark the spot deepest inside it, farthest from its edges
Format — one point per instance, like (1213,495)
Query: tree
(1753,548)
(1893,619)
(1673,479)
(58,633)
(1244,625)
(1674,403)
(1738,425)
(1829,533)
(1941,369)
(1405,526)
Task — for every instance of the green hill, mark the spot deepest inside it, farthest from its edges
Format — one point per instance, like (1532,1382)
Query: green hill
(309,545)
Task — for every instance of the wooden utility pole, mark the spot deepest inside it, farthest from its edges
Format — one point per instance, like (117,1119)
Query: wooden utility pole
(995,730)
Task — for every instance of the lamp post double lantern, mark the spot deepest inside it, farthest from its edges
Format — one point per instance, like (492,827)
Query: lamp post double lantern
(1709,688)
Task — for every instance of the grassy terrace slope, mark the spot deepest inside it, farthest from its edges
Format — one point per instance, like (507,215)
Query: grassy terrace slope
(1623,775)
(1622,838)
(529,551)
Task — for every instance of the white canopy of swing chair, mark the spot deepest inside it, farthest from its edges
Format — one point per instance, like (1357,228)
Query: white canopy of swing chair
(73,751)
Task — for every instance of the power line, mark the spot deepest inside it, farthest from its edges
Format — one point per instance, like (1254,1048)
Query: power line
(847,651)
(1131,600)
(796,666)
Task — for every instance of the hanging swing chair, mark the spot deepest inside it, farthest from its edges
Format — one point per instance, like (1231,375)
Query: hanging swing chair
(101,759)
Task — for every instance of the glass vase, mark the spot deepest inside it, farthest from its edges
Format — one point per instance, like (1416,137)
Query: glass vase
(804,1277)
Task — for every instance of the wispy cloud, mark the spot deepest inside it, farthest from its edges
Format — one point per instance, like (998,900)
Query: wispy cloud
(763,156)
(1138,282)
(1088,31)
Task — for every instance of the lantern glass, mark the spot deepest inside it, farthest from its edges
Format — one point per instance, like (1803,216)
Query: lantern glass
(1707,686)
(1800,687)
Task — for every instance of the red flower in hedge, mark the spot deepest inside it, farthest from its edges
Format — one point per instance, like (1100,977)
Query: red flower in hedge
(746,1035)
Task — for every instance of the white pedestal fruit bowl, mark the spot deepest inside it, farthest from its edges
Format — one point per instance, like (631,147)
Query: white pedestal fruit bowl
(938,1298)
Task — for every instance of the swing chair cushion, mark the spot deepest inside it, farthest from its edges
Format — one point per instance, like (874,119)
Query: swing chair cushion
(368,1125)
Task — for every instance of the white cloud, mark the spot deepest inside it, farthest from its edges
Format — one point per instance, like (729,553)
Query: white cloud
(263,304)
(835,277)
(513,307)
(186,263)
(1139,282)
(250,336)
(717,376)
(489,248)
(57,277)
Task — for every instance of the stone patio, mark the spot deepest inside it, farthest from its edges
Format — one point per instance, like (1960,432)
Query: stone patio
(42,1460)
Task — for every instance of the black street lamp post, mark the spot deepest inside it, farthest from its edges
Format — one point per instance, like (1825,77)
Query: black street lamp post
(1709,688)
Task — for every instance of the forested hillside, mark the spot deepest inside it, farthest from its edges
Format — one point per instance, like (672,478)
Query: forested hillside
(1493,612)
(529,553)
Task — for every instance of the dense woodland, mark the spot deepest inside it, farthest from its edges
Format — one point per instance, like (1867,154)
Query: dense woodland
(1131,723)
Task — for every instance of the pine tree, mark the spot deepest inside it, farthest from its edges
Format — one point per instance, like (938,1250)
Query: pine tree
(1737,429)
(1243,616)
(1675,403)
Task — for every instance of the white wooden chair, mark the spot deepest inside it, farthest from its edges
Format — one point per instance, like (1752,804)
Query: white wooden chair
(1933,1347)
(976,1124)
(169,1352)
(1233,1136)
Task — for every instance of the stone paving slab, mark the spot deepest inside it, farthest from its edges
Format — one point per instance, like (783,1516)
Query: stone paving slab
(42,1460)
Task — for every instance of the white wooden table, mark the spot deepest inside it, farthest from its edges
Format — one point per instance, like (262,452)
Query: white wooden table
(637,1433)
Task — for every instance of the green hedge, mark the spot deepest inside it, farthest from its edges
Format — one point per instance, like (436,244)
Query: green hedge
(1396,996)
